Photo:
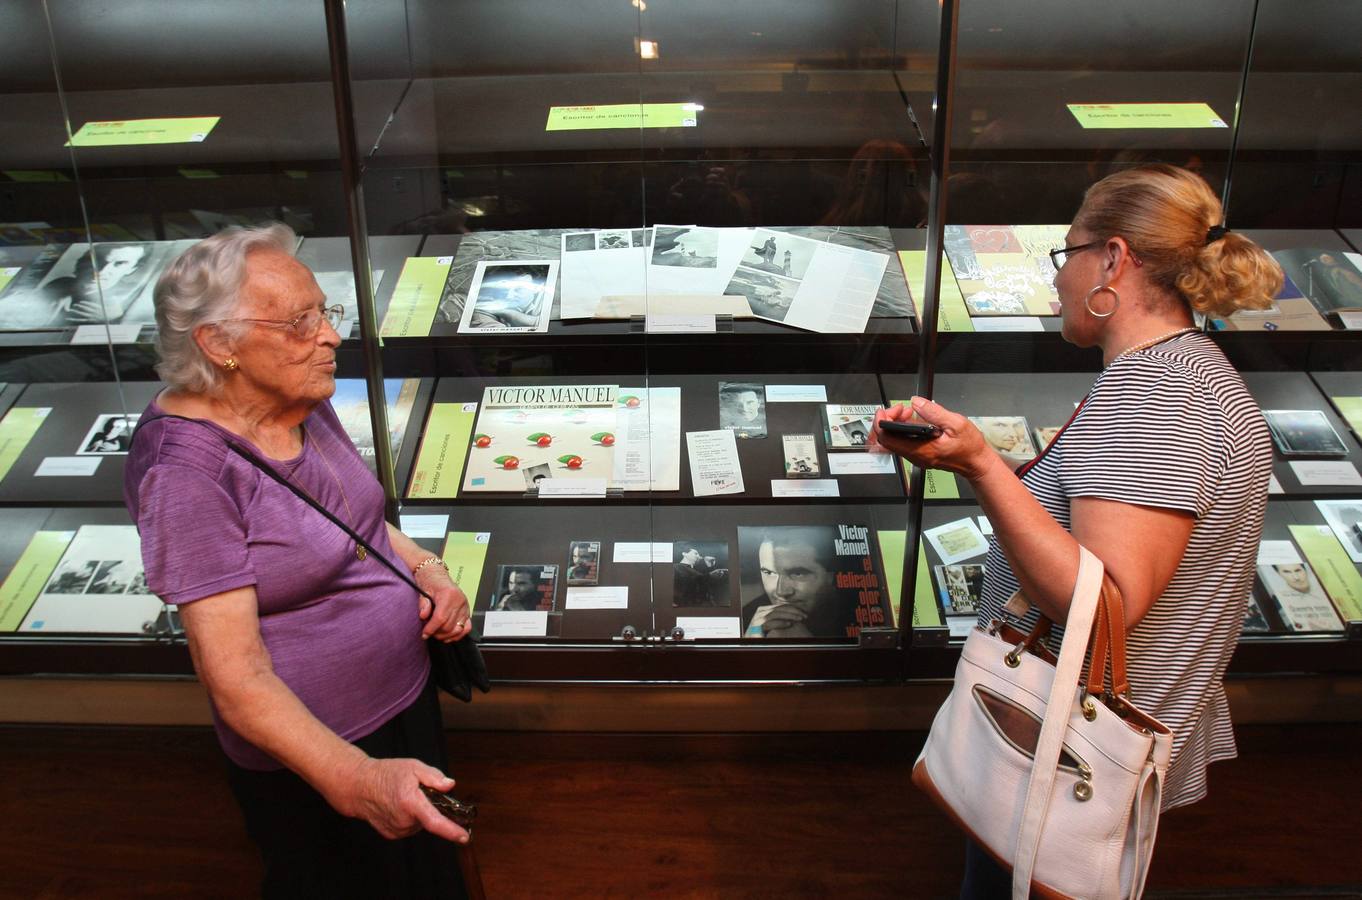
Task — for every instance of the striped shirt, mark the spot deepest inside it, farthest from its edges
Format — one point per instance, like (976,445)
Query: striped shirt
(1171,427)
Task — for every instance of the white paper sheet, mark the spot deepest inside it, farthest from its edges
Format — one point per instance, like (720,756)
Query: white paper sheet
(424,526)
(636,552)
(796,393)
(710,627)
(68,466)
(626,306)
(98,586)
(1277,553)
(956,541)
(861,463)
(1326,472)
(550,488)
(812,487)
(96,334)
(668,323)
(688,259)
(601,597)
(1006,323)
(594,264)
(648,439)
(508,623)
(714,465)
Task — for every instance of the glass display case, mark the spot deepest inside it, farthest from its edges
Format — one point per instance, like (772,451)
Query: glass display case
(623,282)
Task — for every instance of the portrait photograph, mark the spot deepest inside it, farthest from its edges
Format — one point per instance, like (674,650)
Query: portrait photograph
(111,283)
(510,296)
(1045,435)
(1009,435)
(1301,601)
(535,474)
(525,587)
(742,408)
(584,562)
(690,247)
(110,435)
(700,576)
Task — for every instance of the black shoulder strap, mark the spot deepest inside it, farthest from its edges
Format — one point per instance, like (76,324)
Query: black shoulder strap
(301,495)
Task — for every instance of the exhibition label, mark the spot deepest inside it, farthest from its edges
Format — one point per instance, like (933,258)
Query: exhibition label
(29,574)
(416,296)
(1335,570)
(1146,115)
(464,553)
(439,462)
(16,430)
(925,611)
(951,313)
(623,115)
(1350,408)
(127,132)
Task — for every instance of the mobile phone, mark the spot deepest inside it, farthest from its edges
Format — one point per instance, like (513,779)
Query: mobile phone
(914,431)
(449,806)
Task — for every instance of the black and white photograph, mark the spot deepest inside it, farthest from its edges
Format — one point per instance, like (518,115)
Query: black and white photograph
(613,240)
(685,247)
(535,474)
(111,283)
(1254,620)
(848,425)
(1301,601)
(1009,435)
(742,408)
(575,242)
(521,588)
(769,296)
(1304,432)
(510,296)
(642,237)
(138,583)
(801,456)
(1345,519)
(960,587)
(779,253)
(489,246)
(72,576)
(110,435)
(700,574)
(584,562)
(113,577)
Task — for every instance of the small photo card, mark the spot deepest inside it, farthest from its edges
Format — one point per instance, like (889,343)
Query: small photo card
(801,456)
(957,541)
(584,562)
(525,587)
(110,435)
(1009,435)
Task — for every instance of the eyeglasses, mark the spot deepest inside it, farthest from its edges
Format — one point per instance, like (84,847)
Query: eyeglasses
(306,325)
(1061,256)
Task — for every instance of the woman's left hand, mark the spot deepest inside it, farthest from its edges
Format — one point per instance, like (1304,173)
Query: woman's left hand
(960,448)
(449,619)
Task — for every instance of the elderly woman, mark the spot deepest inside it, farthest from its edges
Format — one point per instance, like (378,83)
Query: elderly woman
(312,653)
(1162,472)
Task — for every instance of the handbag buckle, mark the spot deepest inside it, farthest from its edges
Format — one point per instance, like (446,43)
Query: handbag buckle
(1013,659)
(1089,708)
(1083,787)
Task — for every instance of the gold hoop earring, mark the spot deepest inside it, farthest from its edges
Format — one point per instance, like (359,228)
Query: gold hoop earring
(230,364)
(1087,301)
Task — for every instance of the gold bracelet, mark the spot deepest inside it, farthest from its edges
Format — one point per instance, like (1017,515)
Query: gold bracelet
(427,561)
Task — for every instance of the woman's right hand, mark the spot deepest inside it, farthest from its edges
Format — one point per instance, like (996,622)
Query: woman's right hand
(960,448)
(386,793)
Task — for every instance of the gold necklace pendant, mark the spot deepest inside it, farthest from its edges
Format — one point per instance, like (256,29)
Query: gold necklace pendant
(360,554)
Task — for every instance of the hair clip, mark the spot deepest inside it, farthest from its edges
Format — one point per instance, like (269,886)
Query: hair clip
(1215,233)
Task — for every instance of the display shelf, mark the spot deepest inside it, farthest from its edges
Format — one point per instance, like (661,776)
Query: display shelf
(1295,390)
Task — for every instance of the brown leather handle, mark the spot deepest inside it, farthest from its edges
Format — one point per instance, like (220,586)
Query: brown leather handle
(1109,637)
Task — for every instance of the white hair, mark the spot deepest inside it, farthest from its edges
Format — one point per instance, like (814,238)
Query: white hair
(203,285)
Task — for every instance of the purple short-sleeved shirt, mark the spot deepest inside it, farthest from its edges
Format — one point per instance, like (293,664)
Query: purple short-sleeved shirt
(342,633)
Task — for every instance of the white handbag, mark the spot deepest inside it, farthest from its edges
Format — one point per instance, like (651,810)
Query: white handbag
(1060,781)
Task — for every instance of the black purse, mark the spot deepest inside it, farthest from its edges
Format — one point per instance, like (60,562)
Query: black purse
(457,667)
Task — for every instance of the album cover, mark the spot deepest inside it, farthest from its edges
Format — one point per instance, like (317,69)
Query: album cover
(802,581)
(351,403)
(1009,435)
(700,575)
(742,408)
(1304,432)
(1045,435)
(1254,620)
(1332,280)
(1005,270)
(584,562)
(569,429)
(1300,599)
(522,588)
(801,456)
(112,283)
(847,427)
(1345,519)
(960,587)
(110,435)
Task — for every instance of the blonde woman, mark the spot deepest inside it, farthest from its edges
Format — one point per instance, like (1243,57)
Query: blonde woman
(1162,472)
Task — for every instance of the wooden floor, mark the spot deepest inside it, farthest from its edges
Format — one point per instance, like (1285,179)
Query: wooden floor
(144,813)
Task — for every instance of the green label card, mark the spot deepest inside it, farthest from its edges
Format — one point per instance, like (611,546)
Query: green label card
(1335,570)
(7,274)
(1146,115)
(16,430)
(939,485)
(35,175)
(623,115)
(411,311)
(444,445)
(952,314)
(926,613)
(465,553)
(1350,408)
(29,574)
(198,173)
(189,130)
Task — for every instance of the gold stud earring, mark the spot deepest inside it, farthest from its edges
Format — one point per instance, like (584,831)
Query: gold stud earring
(230,364)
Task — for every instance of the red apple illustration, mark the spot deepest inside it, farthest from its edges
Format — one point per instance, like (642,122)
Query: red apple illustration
(507,462)
(482,440)
(540,438)
(571,460)
(630,401)
(604,438)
